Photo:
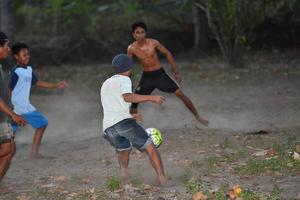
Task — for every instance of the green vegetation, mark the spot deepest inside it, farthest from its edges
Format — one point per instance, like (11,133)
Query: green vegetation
(89,30)
(113,183)
(280,162)
(197,185)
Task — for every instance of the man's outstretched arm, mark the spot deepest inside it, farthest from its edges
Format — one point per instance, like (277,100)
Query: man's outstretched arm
(44,84)
(170,59)
(16,118)
(137,98)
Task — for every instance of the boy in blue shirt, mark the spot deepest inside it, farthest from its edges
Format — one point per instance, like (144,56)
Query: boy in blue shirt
(22,78)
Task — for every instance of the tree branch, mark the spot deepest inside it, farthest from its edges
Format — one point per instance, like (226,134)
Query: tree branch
(200,6)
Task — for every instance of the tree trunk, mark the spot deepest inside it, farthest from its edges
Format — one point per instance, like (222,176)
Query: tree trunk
(196,21)
(200,28)
(7,17)
(204,30)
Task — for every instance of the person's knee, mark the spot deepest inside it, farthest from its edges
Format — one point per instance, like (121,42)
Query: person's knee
(150,149)
(179,93)
(124,153)
(42,128)
(5,149)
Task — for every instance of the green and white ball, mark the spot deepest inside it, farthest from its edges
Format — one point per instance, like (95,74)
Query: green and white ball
(155,135)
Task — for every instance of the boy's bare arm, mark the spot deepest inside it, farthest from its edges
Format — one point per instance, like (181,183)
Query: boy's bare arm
(129,51)
(170,59)
(44,84)
(6,109)
(137,98)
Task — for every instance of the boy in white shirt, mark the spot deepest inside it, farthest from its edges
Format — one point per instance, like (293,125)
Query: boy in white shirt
(119,126)
(22,78)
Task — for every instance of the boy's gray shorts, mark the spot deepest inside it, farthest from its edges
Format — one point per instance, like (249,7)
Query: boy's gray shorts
(6,132)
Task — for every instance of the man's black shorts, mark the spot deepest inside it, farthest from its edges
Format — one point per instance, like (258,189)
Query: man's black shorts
(157,79)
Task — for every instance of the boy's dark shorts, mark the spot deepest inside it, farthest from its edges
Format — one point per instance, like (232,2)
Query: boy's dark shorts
(127,133)
(5,132)
(157,79)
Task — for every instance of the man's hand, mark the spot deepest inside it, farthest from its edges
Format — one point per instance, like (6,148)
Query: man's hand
(61,85)
(137,117)
(18,119)
(158,99)
(177,77)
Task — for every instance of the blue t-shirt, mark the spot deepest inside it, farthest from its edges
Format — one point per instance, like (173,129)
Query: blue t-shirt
(20,82)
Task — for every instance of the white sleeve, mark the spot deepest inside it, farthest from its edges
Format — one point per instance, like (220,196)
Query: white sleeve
(126,86)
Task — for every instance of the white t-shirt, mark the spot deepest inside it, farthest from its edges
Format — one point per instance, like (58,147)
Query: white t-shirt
(115,108)
(21,80)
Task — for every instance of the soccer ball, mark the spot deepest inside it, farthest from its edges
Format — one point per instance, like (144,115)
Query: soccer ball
(155,135)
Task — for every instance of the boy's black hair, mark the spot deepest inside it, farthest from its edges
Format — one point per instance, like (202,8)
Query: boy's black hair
(138,24)
(16,48)
(3,38)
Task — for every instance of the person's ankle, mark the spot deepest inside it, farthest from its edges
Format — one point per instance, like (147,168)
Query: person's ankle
(33,155)
(163,180)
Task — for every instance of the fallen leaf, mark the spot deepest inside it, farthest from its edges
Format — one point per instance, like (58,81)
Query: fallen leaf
(237,190)
(92,190)
(85,181)
(22,197)
(232,195)
(298,148)
(60,179)
(73,194)
(146,186)
(189,163)
(272,152)
(48,185)
(290,165)
(296,156)
(199,196)
(260,153)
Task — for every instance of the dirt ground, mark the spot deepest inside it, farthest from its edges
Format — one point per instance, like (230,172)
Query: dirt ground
(79,163)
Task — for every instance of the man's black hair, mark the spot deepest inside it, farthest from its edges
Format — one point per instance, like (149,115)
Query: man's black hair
(138,24)
(3,38)
(16,48)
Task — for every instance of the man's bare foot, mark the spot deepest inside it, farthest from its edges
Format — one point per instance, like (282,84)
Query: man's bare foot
(167,184)
(33,156)
(124,177)
(162,180)
(203,121)
(125,181)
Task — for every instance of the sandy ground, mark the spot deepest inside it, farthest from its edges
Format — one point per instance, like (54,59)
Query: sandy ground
(79,160)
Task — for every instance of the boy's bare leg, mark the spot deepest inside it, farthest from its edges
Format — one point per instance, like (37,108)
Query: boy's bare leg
(123,157)
(6,151)
(189,104)
(9,157)
(156,163)
(37,138)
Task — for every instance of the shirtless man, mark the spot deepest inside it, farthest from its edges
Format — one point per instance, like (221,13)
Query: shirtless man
(7,144)
(154,76)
